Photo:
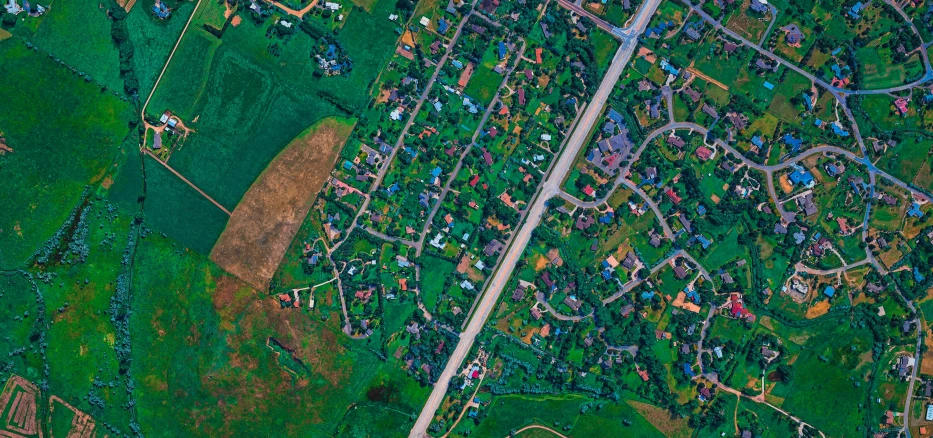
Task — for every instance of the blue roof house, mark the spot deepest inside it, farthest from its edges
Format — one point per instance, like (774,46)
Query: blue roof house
(647,295)
(704,242)
(856,10)
(442,26)
(436,172)
(915,210)
(829,291)
(502,50)
(688,371)
(918,277)
(803,177)
(794,143)
(615,117)
(757,141)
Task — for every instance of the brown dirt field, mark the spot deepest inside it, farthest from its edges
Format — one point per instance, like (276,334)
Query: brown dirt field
(818,309)
(784,182)
(268,217)
(661,418)
(539,262)
(926,362)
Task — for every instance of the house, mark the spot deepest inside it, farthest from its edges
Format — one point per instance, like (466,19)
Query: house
(792,35)
(676,141)
(502,50)
(573,303)
(856,10)
(758,6)
(901,105)
(519,293)
(914,211)
(806,205)
(704,242)
(710,111)
(779,228)
(803,177)
(538,52)
(694,95)
(536,314)
(807,101)
(726,278)
(704,153)
(718,351)
(493,247)
(584,221)
(729,47)
(738,121)
(839,130)
(680,272)
(654,241)
(829,291)
(686,223)
(692,33)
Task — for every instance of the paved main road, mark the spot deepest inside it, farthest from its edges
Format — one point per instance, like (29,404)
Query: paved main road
(550,188)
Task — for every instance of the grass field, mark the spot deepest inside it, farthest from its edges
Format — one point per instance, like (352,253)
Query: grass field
(49,168)
(176,209)
(153,40)
(512,412)
(184,82)
(205,338)
(241,128)
(78,33)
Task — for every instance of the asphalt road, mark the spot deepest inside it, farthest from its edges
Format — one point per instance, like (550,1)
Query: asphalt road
(550,188)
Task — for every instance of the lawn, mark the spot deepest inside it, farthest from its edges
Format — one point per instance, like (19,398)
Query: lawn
(64,133)
(433,278)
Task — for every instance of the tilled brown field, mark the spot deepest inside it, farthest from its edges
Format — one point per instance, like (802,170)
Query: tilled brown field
(267,218)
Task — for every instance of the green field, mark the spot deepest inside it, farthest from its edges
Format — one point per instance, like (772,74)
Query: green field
(153,40)
(49,168)
(249,104)
(176,209)
(78,33)
(512,412)
(202,342)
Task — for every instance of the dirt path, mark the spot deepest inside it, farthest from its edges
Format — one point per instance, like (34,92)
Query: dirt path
(146,151)
(297,13)
(538,426)
(707,78)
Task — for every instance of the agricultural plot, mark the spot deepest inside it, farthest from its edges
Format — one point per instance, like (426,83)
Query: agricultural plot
(281,198)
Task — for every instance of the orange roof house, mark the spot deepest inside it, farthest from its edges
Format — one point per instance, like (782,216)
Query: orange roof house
(538,52)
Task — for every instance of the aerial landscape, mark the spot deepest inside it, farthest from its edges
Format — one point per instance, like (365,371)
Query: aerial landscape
(489,218)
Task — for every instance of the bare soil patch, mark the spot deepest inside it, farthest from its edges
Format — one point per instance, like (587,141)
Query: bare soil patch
(817,310)
(265,221)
